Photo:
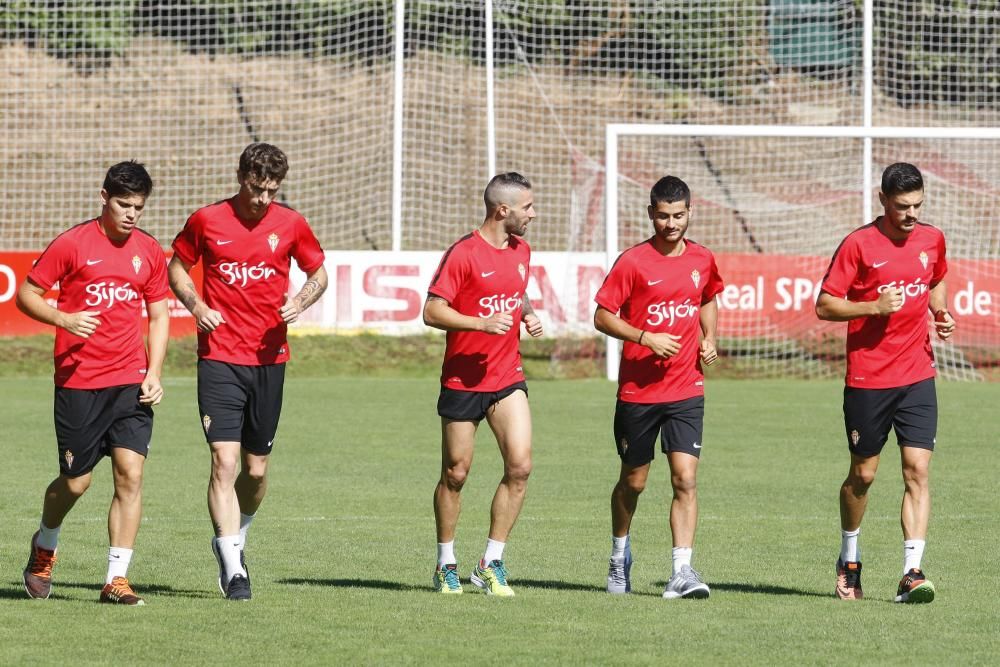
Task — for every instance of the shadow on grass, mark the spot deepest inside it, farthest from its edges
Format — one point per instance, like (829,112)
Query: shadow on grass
(556,585)
(762,589)
(397,586)
(17,592)
(354,583)
(14,593)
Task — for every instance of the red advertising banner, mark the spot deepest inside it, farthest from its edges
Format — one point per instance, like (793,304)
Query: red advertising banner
(773,295)
(766,296)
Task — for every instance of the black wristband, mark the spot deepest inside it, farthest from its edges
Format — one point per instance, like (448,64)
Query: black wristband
(639,342)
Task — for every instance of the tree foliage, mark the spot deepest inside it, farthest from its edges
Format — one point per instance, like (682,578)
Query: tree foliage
(928,50)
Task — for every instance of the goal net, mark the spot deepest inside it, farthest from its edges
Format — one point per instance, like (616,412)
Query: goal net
(381,106)
(774,202)
(183,87)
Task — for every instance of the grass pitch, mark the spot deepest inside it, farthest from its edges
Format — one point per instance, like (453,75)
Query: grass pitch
(342,550)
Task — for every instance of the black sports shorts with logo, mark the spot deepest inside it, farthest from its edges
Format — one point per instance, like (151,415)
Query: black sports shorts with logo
(91,422)
(869,414)
(679,425)
(473,405)
(240,403)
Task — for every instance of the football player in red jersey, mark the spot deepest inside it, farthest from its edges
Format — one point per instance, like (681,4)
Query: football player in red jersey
(659,297)
(106,379)
(246,244)
(883,281)
(478,296)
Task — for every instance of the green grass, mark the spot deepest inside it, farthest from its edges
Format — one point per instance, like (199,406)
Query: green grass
(365,354)
(342,551)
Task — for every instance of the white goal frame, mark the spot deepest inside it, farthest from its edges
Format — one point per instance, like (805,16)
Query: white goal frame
(615,130)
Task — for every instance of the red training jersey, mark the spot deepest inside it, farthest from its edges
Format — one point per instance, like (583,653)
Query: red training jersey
(246,269)
(661,294)
(477,279)
(113,279)
(893,351)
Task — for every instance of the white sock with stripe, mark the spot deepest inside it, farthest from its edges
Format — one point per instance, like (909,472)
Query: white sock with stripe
(48,538)
(494,551)
(230,547)
(850,552)
(681,557)
(118,562)
(446,553)
(913,553)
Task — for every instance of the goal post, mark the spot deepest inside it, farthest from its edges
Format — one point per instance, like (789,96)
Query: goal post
(792,155)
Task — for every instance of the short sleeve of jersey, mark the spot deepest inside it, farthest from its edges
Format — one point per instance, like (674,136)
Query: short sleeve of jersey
(157,287)
(714,284)
(308,253)
(451,274)
(54,263)
(617,285)
(941,265)
(187,243)
(843,269)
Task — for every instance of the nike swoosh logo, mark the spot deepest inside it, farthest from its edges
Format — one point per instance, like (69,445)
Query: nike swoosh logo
(696,446)
(654,282)
(91,262)
(487,274)
(878,264)
(222,242)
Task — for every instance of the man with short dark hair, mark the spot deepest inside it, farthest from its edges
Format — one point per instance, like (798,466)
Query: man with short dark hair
(106,381)
(882,281)
(246,244)
(478,296)
(659,297)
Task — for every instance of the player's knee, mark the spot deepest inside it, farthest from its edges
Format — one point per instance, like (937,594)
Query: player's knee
(455,476)
(518,471)
(256,472)
(257,476)
(633,486)
(859,481)
(224,470)
(916,476)
(77,486)
(683,484)
(128,483)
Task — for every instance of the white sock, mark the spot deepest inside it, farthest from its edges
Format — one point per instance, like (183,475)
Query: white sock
(446,553)
(48,538)
(682,556)
(118,562)
(850,552)
(245,521)
(494,551)
(913,552)
(618,545)
(230,548)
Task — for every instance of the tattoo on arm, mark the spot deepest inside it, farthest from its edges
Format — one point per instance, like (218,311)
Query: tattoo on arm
(188,295)
(526,308)
(309,293)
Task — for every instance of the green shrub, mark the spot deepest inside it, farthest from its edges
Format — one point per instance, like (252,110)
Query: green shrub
(75,29)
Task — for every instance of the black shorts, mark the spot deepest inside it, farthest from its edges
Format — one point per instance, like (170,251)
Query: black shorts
(240,403)
(679,425)
(869,414)
(90,422)
(473,405)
